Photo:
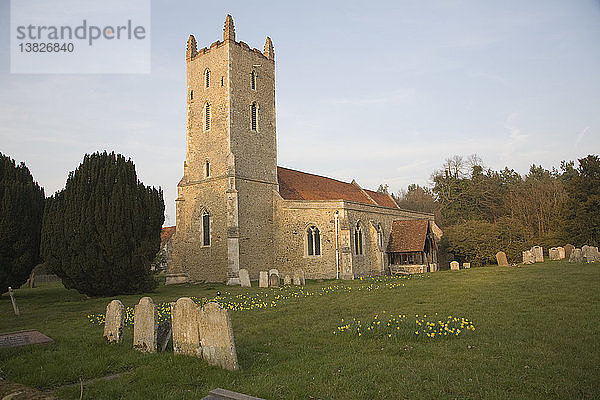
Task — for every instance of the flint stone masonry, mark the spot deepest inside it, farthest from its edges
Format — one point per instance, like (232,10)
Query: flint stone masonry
(466,265)
(454,266)
(263,279)
(538,252)
(287,280)
(274,280)
(113,321)
(568,250)
(244,278)
(184,317)
(528,257)
(145,326)
(576,256)
(216,336)
(501,259)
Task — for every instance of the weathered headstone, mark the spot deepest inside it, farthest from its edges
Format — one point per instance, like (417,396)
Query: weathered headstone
(22,338)
(561,253)
(216,336)
(287,280)
(538,252)
(273,271)
(13,301)
(528,257)
(302,278)
(297,279)
(466,265)
(501,259)
(576,256)
(244,278)
(184,317)
(553,254)
(454,266)
(273,280)
(145,326)
(568,250)
(164,333)
(263,279)
(590,253)
(113,321)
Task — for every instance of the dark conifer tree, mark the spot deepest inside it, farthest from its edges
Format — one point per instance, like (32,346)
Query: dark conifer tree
(102,231)
(21,210)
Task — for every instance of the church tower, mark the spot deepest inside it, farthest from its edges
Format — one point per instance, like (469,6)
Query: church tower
(225,198)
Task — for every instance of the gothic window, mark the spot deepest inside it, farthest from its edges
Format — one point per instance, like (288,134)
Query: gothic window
(358,239)
(191,95)
(207,78)
(254,118)
(253,80)
(313,240)
(380,241)
(205,228)
(207,117)
(207,168)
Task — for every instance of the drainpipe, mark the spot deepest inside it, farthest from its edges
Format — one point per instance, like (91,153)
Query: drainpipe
(337,248)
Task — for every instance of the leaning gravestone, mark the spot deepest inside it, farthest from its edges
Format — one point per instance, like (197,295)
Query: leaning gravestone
(216,336)
(287,280)
(553,254)
(302,278)
(263,279)
(184,317)
(576,256)
(296,279)
(528,257)
(145,325)
(538,252)
(113,321)
(244,278)
(273,280)
(466,265)
(501,259)
(568,250)
(454,266)
(164,333)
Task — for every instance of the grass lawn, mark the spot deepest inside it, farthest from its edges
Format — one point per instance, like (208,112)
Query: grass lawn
(537,335)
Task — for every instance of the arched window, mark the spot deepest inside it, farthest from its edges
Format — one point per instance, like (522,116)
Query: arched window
(205,228)
(207,78)
(207,168)
(207,117)
(253,80)
(358,239)
(191,95)
(313,240)
(222,81)
(254,117)
(380,240)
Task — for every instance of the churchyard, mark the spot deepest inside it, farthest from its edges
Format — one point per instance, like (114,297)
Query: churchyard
(490,332)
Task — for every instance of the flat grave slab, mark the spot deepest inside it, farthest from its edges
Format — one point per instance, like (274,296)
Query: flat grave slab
(23,338)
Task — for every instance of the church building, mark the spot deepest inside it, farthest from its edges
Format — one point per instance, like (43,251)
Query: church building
(237,209)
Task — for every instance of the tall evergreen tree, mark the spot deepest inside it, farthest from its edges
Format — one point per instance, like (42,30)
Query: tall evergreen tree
(102,231)
(21,210)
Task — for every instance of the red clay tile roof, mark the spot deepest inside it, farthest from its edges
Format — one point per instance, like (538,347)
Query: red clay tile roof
(165,234)
(408,236)
(383,199)
(296,185)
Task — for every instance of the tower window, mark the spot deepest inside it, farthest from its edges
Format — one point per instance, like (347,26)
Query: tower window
(253,80)
(205,228)
(207,78)
(313,240)
(207,168)
(207,117)
(191,95)
(254,112)
(222,81)
(358,240)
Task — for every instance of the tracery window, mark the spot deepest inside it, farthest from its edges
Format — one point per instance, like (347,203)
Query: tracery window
(313,240)
(358,239)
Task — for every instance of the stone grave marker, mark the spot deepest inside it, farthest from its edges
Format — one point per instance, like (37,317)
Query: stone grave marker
(466,265)
(538,252)
(501,259)
(13,301)
(553,254)
(244,278)
(273,280)
(263,279)
(576,256)
(302,278)
(454,266)
(145,326)
(561,253)
(296,279)
(113,321)
(287,280)
(568,250)
(590,253)
(216,336)
(184,318)
(163,334)
(528,257)
(23,338)
(273,271)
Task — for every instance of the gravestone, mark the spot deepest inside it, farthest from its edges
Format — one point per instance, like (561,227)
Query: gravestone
(244,278)
(553,254)
(297,279)
(302,279)
(273,280)
(164,333)
(113,321)
(538,252)
(145,325)
(576,256)
(528,257)
(590,254)
(466,265)
(263,279)
(501,259)
(568,250)
(454,266)
(23,338)
(13,301)
(216,336)
(184,317)
(273,271)
(287,280)
(561,253)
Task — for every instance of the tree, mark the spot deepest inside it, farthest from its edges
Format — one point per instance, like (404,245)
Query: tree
(417,198)
(102,231)
(21,209)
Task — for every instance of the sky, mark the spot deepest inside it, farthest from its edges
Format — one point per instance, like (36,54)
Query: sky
(381,92)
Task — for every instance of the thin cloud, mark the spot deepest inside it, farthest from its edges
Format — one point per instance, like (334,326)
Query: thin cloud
(581,135)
